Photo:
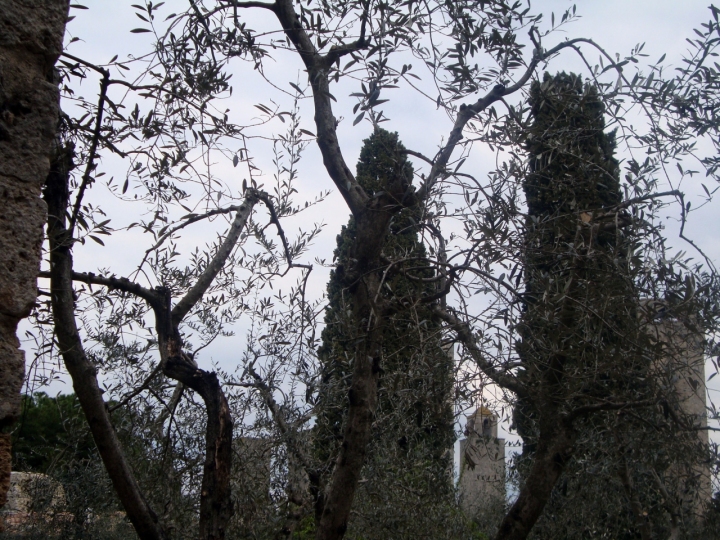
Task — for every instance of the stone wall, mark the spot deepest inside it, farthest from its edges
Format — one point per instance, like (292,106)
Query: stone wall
(31,33)
(32,493)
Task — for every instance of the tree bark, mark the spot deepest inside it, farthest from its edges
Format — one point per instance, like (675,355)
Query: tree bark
(363,282)
(358,428)
(216,507)
(82,371)
(31,33)
(554,449)
(362,279)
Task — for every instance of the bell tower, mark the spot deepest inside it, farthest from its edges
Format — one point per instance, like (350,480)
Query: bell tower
(482,464)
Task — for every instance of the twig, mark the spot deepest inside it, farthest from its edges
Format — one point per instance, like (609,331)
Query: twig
(169,409)
(265,198)
(139,389)
(85,63)
(89,167)
(190,221)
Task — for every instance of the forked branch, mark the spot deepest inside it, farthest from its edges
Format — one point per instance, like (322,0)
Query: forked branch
(217,263)
(466,337)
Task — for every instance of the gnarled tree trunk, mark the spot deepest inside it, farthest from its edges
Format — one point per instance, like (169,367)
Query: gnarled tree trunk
(31,34)
(80,368)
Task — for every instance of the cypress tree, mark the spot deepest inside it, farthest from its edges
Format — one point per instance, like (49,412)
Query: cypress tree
(573,179)
(579,302)
(582,325)
(413,430)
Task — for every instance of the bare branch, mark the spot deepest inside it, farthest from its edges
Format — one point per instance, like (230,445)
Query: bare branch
(218,261)
(112,282)
(90,166)
(419,155)
(465,335)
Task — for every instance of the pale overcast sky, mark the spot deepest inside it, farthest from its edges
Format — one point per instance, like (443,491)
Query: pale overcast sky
(618,26)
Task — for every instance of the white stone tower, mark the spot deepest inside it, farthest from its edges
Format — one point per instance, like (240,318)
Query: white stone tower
(482,464)
(683,365)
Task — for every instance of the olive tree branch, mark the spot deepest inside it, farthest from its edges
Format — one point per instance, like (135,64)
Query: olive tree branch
(190,221)
(265,198)
(338,51)
(112,282)
(466,337)
(252,4)
(169,409)
(326,124)
(297,489)
(90,165)
(79,366)
(218,261)
(288,431)
(468,112)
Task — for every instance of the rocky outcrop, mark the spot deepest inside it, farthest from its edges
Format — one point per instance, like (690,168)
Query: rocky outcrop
(31,33)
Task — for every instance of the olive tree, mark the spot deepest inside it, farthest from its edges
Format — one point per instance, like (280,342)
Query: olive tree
(144,329)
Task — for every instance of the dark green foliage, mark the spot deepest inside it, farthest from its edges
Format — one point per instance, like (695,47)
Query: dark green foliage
(580,304)
(51,434)
(52,438)
(572,158)
(580,319)
(585,337)
(413,431)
